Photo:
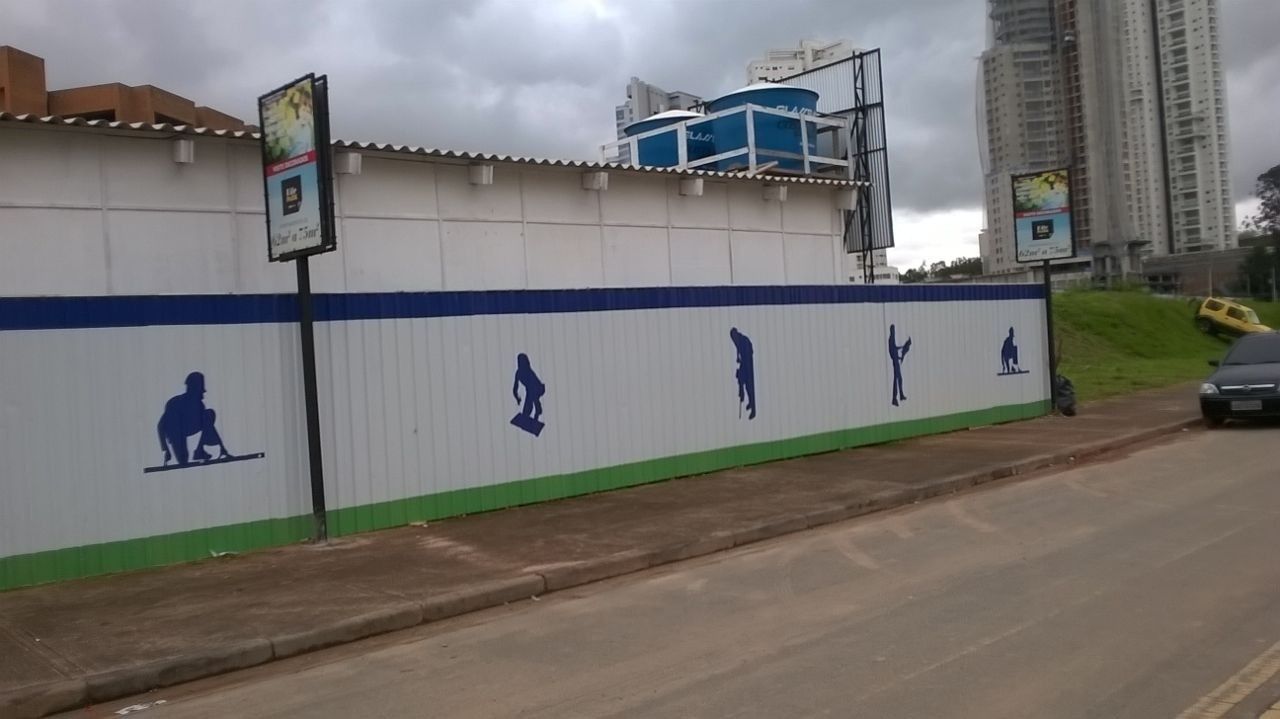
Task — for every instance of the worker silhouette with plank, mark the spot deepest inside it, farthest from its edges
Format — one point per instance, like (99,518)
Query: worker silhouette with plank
(897,354)
(746,372)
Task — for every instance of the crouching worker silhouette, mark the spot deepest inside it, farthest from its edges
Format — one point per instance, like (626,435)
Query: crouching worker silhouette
(527,419)
(1009,355)
(186,415)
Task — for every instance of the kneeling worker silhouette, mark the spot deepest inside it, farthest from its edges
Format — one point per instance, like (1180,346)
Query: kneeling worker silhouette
(1009,355)
(185,415)
(527,419)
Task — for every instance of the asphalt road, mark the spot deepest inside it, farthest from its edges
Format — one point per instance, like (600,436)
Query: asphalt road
(1145,586)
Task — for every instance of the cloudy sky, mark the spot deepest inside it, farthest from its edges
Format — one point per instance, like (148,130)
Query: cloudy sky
(541,77)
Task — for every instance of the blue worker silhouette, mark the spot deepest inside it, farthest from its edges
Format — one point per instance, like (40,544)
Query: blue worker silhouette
(897,354)
(746,373)
(527,418)
(186,415)
(1009,355)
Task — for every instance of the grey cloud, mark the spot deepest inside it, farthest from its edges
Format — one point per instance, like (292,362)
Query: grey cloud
(1251,57)
(541,77)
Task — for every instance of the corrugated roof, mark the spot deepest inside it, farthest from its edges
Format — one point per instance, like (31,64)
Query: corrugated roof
(168,129)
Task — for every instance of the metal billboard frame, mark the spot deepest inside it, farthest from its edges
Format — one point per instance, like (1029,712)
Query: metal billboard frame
(859,82)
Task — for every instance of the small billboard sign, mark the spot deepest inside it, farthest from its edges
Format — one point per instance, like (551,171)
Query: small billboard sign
(296,170)
(1043,227)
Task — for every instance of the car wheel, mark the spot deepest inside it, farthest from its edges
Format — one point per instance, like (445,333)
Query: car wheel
(1205,325)
(1213,422)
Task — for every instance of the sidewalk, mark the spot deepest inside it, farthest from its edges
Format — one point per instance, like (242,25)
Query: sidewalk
(87,641)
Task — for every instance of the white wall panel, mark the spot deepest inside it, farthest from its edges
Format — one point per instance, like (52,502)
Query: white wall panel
(808,260)
(559,197)
(244,163)
(564,256)
(758,258)
(389,188)
(636,257)
(460,200)
(808,210)
(142,173)
(700,257)
(392,255)
(483,255)
(748,210)
(710,211)
(52,252)
(635,200)
(170,252)
(50,168)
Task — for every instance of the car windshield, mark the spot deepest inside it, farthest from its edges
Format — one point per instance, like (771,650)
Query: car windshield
(1260,349)
(1252,317)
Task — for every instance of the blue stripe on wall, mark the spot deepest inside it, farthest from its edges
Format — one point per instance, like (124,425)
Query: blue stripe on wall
(42,313)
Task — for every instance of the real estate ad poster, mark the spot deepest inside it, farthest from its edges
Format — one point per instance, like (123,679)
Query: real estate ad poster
(1042,216)
(293,168)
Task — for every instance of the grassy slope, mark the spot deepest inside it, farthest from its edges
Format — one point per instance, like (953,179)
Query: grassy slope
(1117,342)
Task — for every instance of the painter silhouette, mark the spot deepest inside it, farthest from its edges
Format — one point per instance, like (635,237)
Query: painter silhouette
(897,354)
(534,389)
(746,372)
(186,416)
(1009,357)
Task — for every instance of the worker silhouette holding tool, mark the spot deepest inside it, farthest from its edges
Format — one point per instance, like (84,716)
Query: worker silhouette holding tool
(186,415)
(897,354)
(746,373)
(1009,355)
(527,418)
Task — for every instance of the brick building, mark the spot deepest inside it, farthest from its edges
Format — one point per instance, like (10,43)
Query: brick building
(23,91)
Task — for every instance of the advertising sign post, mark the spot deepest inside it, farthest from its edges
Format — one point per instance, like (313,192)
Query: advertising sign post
(298,185)
(1044,231)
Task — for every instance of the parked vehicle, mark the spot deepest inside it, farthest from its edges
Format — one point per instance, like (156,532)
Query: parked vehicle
(1246,384)
(1218,315)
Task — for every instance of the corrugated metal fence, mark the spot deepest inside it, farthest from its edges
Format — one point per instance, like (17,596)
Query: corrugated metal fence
(439,404)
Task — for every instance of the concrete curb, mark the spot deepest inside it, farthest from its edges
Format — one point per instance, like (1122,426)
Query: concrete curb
(400,616)
(484,595)
(44,699)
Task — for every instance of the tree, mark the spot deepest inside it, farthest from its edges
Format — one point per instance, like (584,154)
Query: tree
(915,274)
(1261,267)
(1267,221)
(966,266)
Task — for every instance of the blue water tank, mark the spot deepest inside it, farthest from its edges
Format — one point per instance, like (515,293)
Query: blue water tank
(662,150)
(772,132)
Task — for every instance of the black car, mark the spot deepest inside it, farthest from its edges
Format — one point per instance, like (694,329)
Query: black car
(1247,382)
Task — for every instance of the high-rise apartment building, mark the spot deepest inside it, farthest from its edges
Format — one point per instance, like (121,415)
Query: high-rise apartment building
(1129,95)
(1189,79)
(1020,112)
(644,101)
(777,64)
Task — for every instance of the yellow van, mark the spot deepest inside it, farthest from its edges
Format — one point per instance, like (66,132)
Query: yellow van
(1218,315)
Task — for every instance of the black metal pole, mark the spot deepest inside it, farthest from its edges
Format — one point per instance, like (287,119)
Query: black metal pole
(1053,352)
(315,459)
